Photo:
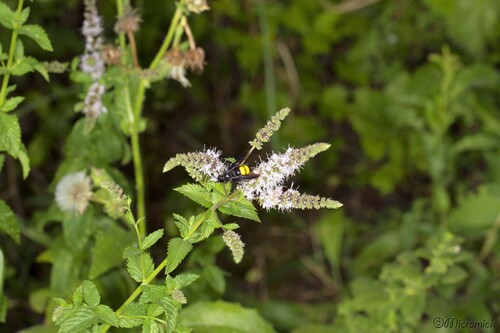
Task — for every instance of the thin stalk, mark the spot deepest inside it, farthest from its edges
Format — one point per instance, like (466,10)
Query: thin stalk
(121,36)
(136,292)
(13,40)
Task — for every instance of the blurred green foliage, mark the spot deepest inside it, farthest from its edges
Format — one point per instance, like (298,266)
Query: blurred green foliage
(407,91)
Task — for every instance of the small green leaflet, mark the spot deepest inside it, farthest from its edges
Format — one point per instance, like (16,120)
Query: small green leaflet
(90,294)
(8,222)
(107,315)
(151,239)
(37,34)
(10,134)
(12,103)
(6,16)
(177,251)
(197,193)
(240,208)
(140,267)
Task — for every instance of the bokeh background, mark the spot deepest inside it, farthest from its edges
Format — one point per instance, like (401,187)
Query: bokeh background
(406,91)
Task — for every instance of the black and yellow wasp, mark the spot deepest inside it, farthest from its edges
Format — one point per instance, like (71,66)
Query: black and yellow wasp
(237,172)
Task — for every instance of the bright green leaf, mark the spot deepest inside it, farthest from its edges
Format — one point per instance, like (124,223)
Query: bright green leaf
(197,193)
(22,156)
(184,280)
(171,308)
(8,223)
(215,317)
(152,238)
(79,319)
(10,134)
(134,268)
(23,17)
(152,293)
(90,293)
(12,103)
(107,315)
(6,16)
(240,208)
(177,251)
(36,33)
(132,315)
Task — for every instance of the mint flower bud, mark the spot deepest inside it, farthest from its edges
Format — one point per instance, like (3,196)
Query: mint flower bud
(179,296)
(198,164)
(197,6)
(264,134)
(235,245)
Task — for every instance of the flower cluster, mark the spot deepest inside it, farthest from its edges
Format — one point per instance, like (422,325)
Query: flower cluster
(73,192)
(265,133)
(92,61)
(199,165)
(268,188)
(128,22)
(197,6)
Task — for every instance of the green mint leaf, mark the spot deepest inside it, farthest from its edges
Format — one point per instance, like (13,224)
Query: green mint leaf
(10,134)
(197,193)
(152,238)
(171,308)
(133,315)
(40,68)
(78,296)
(37,34)
(22,156)
(77,319)
(240,208)
(12,103)
(90,294)
(23,65)
(150,326)
(184,280)
(6,16)
(130,252)
(178,249)
(224,317)
(152,293)
(19,50)
(182,224)
(107,315)
(25,13)
(8,224)
(134,268)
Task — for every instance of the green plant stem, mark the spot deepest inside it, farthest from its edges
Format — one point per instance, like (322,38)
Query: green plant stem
(136,292)
(121,36)
(135,142)
(13,40)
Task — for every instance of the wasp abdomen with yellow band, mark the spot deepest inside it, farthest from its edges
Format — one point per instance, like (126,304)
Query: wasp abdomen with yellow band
(237,171)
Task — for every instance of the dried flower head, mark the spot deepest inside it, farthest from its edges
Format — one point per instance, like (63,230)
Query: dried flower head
(195,59)
(92,106)
(177,60)
(235,245)
(73,192)
(111,54)
(199,165)
(265,133)
(128,22)
(197,6)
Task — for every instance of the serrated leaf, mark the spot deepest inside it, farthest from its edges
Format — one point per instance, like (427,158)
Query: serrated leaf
(197,193)
(130,252)
(151,239)
(152,293)
(223,317)
(240,208)
(10,134)
(182,224)
(107,315)
(177,251)
(23,158)
(18,51)
(184,280)
(150,326)
(6,16)
(78,319)
(23,17)
(132,315)
(90,293)
(40,68)
(37,34)
(8,222)
(134,268)
(12,103)
(171,308)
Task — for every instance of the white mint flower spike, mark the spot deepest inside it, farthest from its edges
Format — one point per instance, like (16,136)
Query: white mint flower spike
(73,192)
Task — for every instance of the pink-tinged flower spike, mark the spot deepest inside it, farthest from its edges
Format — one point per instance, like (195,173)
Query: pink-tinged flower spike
(268,187)
(92,106)
(265,133)
(73,192)
(235,245)
(92,64)
(92,27)
(198,164)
